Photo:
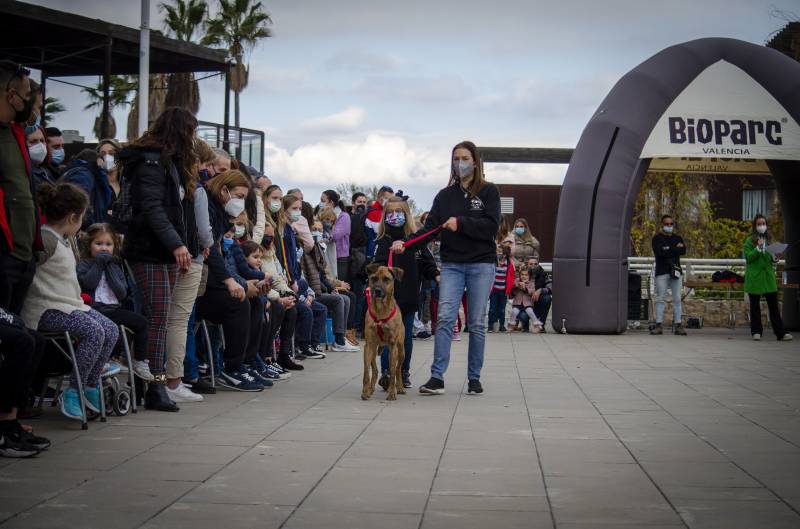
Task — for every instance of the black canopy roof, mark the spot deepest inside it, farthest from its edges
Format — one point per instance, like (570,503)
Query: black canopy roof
(65,44)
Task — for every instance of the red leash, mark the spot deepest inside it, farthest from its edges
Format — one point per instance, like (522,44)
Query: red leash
(379,323)
(412,241)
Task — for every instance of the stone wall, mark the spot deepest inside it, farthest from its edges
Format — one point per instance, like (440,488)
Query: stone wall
(715,313)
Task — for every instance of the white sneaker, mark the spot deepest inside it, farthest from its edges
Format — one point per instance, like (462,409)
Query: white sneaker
(757,337)
(346,348)
(787,337)
(457,336)
(142,370)
(183,394)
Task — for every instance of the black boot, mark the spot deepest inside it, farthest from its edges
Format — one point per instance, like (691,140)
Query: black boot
(156,398)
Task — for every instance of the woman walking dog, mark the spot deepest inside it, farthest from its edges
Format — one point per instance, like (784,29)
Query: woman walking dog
(468,211)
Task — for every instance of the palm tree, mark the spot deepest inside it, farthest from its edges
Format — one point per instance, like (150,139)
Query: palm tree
(120,87)
(182,18)
(52,106)
(238,26)
(155,104)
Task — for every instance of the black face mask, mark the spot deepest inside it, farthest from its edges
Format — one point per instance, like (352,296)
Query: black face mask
(266,242)
(361,208)
(22,116)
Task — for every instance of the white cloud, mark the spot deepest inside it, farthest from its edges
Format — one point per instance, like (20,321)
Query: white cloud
(347,120)
(376,159)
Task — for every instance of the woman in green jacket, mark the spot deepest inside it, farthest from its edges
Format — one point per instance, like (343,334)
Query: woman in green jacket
(759,280)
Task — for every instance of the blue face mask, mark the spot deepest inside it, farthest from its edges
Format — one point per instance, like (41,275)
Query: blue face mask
(30,129)
(668,229)
(519,230)
(227,243)
(57,155)
(203,175)
(396,219)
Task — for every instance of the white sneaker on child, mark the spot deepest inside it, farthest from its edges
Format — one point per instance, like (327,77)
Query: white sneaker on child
(183,394)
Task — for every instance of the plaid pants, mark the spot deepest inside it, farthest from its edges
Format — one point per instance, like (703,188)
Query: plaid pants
(156,283)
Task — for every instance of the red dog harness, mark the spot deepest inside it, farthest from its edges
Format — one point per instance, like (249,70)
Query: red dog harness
(379,323)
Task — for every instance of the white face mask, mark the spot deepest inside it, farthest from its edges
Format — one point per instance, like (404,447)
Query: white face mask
(238,232)
(464,168)
(294,216)
(109,163)
(275,206)
(37,152)
(761,228)
(234,206)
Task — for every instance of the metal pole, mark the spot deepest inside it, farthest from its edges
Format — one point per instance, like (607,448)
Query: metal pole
(144,67)
(44,90)
(104,132)
(227,118)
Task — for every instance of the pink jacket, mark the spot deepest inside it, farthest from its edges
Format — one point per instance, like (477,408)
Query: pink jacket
(523,297)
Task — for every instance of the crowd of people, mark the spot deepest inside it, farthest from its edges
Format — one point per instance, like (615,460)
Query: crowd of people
(165,232)
(157,235)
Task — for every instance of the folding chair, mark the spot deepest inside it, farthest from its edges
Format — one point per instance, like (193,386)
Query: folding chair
(124,333)
(203,326)
(56,338)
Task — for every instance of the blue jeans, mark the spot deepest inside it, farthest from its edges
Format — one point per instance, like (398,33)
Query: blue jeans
(310,323)
(497,308)
(541,308)
(663,282)
(190,362)
(408,345)
(478,279)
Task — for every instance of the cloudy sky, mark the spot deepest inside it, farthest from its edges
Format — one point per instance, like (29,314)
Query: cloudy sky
(378,91)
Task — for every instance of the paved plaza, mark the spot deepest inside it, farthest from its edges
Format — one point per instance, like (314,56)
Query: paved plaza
(573,432)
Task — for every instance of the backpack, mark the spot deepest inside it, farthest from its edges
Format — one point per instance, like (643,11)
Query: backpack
(122,209)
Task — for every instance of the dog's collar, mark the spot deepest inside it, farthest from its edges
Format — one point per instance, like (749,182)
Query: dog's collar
(379,323)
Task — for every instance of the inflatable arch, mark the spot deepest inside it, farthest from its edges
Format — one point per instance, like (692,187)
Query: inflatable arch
(709,98)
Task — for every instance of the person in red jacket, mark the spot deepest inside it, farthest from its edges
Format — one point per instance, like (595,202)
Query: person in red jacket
(504,278)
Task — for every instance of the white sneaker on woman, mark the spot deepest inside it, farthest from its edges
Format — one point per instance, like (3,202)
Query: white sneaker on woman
(787,337)
(345,348)
(183,394)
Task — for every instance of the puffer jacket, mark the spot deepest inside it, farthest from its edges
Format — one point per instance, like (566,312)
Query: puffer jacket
(161,222)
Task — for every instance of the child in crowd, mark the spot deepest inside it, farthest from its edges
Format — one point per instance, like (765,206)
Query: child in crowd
(252,282)
(523,302)
(54,300)
(397,223)
(102,277)
(503,283)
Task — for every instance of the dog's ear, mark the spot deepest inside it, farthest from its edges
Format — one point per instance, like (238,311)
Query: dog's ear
(372,268)
(397,273)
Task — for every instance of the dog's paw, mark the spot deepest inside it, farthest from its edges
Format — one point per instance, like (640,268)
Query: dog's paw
(364,396)
(391,397)
(401,391)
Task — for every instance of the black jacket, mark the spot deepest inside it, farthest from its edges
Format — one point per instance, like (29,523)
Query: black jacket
(478,221)
(161,221)
(91,270)
(667,252)
(416,265)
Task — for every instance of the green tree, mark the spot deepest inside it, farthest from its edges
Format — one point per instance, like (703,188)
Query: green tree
(181,21)
(238,26)
(52,106)
(119,95)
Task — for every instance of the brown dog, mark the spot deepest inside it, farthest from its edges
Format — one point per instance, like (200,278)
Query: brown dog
(384,327)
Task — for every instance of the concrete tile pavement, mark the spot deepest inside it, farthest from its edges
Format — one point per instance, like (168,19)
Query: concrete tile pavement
(576,432)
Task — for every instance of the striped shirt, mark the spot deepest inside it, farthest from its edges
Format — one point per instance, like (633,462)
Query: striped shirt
(500,277)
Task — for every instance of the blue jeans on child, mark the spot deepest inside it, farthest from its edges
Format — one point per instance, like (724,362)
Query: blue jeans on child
(408,345)
(478,279)
(497,308)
